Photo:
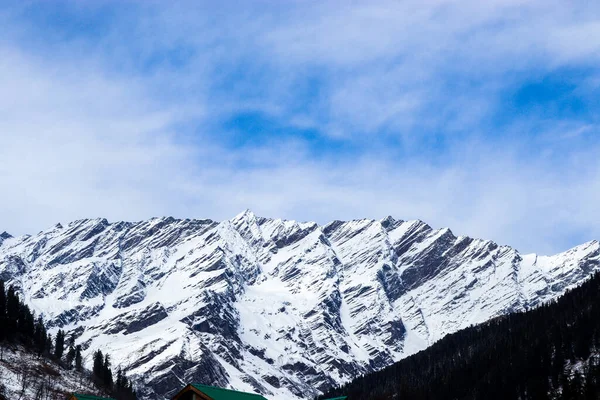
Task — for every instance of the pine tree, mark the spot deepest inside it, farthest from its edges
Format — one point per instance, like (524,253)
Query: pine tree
(12,313)
(49,345)
(25,324)
(107,372)
(98,368)
(123,389)
(119,382)
(70,357)
(3,322)
(40,336)
(78,358)
(59,347)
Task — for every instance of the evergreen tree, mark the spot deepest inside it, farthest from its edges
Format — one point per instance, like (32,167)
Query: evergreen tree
(25,324)
(592,384)
(49,345)
(70,357)
(78,358)
(59,346)
(119,382)
(40,336)
(12,313)
(107,372)
(98,367)
(123,390)
(3,321)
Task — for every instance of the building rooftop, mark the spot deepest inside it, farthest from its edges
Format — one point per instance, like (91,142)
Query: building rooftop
(216,393)
(79,396)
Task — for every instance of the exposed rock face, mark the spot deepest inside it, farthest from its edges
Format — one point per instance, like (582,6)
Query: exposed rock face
(4,236)
(280,307)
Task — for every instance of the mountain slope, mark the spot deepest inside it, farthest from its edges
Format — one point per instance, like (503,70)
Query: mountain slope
(284,308)
(25,375)
(551,352)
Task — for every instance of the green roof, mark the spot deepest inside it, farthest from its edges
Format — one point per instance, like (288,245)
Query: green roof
(226,394)
(338,398)
(79,396)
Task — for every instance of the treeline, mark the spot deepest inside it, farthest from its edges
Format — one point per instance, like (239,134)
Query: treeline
(551,352)
(18,325)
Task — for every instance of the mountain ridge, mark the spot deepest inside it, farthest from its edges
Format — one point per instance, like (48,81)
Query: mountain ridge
(281,307)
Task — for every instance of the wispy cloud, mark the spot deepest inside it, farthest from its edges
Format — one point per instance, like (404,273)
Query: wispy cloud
(448,111)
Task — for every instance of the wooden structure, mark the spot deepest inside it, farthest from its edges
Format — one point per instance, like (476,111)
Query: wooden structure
(195,391)
(78,396)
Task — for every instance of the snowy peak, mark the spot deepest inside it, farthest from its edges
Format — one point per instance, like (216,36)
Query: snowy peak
(281,307)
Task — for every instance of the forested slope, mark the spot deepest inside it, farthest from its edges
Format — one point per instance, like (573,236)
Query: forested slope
(547,353)
(36,366)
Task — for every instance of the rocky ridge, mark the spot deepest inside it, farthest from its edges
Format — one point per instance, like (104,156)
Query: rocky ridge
(280,307)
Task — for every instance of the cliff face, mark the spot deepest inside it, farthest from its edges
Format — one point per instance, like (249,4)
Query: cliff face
(283,308)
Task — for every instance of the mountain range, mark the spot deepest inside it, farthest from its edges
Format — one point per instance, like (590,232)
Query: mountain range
(284,308)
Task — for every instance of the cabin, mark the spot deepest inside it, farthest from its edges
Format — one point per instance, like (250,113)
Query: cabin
(195,391)
(78,396)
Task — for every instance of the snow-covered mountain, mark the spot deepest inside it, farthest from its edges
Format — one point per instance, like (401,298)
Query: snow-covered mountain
(280,307)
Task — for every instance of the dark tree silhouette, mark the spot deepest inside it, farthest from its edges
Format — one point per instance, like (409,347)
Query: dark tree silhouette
(59,345)
(12,313)
(78,358)
(3,320)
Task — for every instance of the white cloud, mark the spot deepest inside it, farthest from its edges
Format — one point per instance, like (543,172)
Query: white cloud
(492,193)
(76,144)
(91,127)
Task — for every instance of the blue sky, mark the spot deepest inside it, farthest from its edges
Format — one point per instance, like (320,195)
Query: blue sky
(480,117)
